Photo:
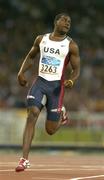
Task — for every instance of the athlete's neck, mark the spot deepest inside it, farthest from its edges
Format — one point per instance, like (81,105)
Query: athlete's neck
(57,36)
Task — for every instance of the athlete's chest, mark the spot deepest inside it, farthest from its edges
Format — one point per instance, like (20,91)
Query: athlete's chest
(59,49)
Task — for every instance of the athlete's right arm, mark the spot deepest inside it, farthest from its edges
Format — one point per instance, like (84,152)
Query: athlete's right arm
(28,61)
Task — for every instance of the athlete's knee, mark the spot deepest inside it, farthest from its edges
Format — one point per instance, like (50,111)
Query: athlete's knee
(50,131)
(32,114)
(50,127)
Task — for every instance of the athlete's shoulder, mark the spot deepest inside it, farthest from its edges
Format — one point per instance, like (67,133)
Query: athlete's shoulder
(74,46)
(40,37)
(73,43)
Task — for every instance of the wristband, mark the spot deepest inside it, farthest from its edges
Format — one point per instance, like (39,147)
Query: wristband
(71,82)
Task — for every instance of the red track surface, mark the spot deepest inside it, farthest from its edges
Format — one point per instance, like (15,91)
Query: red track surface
(64,166)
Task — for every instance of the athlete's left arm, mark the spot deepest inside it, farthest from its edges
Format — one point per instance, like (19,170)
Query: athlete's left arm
(75,64)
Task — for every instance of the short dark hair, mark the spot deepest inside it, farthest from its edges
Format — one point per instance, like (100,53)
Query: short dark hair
(58,16)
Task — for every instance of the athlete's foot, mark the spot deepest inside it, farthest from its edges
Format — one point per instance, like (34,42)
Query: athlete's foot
(64,120)
(22,165)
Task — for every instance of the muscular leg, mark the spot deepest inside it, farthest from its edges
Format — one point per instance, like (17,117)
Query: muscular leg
(53,126)
(33,113)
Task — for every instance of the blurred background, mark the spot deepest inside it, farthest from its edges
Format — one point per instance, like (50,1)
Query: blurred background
(20,22)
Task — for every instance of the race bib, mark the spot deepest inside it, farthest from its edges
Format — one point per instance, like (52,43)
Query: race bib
(49,65)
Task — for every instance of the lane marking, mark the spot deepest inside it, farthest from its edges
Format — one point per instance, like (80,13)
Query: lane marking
(7,170)
(49,178)
(72,167)
(49,169)
(55,168)
(87,177)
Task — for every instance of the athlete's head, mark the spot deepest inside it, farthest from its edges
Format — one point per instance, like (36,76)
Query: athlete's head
(62,23)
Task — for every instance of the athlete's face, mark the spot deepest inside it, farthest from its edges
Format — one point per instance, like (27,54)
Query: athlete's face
(63,24)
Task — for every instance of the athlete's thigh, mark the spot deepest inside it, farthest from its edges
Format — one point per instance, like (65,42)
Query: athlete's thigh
(36,97)
(54,104)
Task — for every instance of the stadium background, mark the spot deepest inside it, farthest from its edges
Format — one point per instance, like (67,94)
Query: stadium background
(20,22)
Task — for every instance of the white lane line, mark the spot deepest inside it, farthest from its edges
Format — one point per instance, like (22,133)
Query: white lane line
(53,169)
(44,166)
(54,165)
(36,165)
(56,169)
(6,170)
(49,169)
(81,167)
(87,177)
(49,178)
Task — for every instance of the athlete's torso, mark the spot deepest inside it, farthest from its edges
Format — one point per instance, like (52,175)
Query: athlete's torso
(53,57)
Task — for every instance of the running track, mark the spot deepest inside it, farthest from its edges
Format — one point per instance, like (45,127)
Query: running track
(54,166)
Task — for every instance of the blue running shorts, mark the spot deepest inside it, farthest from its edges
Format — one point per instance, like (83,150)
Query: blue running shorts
(49,94)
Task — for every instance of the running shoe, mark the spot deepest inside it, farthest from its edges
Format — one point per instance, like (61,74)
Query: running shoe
(22,165)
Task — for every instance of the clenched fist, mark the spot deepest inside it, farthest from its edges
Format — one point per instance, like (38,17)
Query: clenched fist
(22,80)
(68,83)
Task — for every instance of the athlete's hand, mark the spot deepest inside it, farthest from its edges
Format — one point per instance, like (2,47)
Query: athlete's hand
(22,80)
(68,83)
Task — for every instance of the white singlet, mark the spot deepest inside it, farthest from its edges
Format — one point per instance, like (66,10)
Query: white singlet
(52,57)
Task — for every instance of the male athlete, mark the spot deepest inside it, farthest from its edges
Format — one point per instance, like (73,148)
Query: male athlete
(56,51)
